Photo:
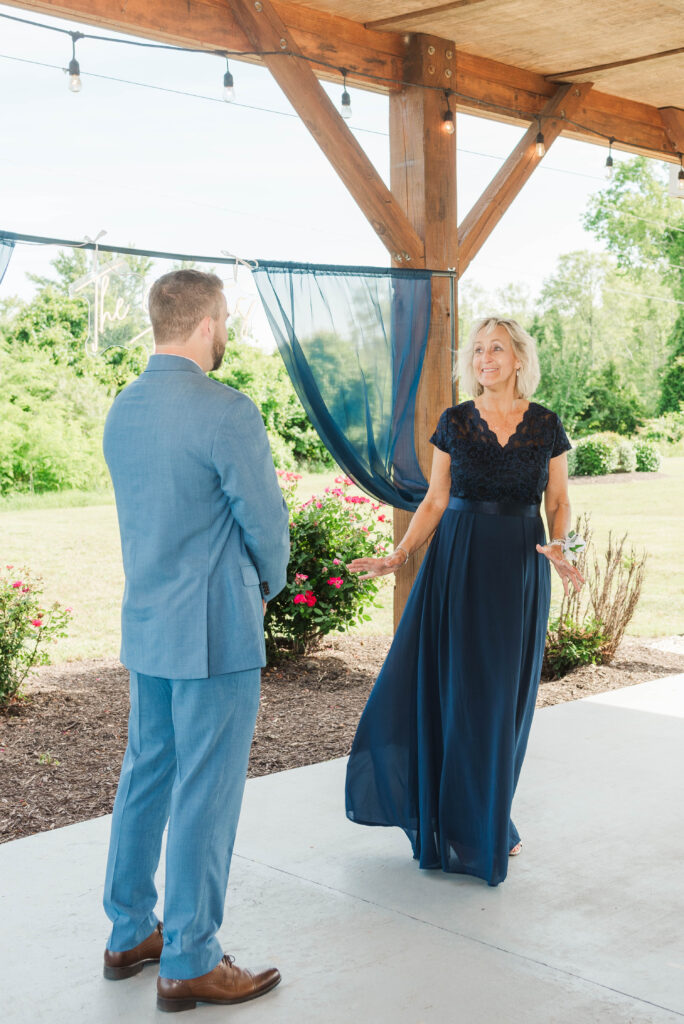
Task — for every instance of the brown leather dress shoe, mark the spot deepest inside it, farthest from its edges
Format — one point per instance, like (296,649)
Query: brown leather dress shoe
(224,985)
(131,961)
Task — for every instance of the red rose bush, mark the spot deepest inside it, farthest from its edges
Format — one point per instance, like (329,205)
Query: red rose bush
(321,596)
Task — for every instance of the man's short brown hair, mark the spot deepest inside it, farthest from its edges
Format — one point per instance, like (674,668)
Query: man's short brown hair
(179,300)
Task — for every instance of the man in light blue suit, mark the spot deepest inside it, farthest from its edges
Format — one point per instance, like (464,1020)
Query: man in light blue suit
(204,537)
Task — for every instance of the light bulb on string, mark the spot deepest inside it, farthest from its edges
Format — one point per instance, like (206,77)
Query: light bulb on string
(539,144)
(74,71)
(345,102)
(680,176)
(448,125)
(228,85)
(609,160)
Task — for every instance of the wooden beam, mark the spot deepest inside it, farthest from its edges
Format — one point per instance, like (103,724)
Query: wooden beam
(374,60)
(491,86)
(266,32)
(419,14)
(673,119)
(506,184)
(211,24)
(423,178)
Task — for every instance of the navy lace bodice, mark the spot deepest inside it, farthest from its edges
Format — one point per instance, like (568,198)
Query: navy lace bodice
(483,470)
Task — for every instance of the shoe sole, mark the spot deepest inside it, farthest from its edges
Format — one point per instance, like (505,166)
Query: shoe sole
(177,1005)
(119,973)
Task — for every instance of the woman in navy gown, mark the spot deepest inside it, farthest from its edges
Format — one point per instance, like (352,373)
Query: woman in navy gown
(439,747)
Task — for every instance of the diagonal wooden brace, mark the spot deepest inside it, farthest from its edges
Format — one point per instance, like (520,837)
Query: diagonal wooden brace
(507,183)
(267,32)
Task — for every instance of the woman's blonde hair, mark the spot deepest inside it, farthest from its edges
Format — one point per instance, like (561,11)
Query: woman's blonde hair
(524,346)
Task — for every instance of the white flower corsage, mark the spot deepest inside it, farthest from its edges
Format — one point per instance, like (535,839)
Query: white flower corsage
(573,545)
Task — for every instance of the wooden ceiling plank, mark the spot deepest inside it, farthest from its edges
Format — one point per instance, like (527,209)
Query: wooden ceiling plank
(417,15)
(506,184)
(673,119)
(616,64)
(266,31)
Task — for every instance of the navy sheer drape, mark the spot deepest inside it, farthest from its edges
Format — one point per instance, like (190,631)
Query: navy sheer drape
(6,248)
(353,341)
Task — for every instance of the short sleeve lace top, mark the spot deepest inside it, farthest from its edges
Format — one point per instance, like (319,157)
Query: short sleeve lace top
(484,470)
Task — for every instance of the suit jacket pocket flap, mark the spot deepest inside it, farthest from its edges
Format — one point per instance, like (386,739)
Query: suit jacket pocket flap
(250,577)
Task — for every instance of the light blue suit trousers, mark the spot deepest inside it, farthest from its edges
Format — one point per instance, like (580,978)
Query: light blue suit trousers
(186,761)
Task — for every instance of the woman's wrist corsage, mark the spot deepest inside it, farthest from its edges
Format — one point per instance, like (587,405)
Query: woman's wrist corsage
(573,545)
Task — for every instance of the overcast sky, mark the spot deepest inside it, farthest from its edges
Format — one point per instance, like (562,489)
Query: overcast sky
(162,170)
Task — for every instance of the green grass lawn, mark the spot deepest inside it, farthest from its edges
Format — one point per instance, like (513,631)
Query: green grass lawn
(76,550)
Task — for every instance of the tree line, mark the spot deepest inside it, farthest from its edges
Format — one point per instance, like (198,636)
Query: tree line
(609,326)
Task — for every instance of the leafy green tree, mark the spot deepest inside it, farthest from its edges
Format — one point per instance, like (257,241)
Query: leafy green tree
(612,404)
(672,382)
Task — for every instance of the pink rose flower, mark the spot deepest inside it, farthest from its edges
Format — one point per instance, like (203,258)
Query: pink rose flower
(335,581)
(301,576)
(37,623)
(299,599)
(310,598)
(17,584)
(381,519)
(336,561)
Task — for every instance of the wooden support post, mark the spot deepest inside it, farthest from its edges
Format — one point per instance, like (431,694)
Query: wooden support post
(423,180)
(515,172)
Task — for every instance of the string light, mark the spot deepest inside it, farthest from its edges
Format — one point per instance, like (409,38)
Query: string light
(609,160)
(448,125)
(345,102)
(539,143)
(74,69)
(228,86)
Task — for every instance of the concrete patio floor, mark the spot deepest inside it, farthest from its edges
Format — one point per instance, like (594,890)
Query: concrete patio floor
(587,927)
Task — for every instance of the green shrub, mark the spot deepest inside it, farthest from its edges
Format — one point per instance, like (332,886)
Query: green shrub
(590,623)
(320,595)
(26,627)
(572,461)
(626,456)
(668,428)
(570,644)
(647,457)
(595,456)
(51,436)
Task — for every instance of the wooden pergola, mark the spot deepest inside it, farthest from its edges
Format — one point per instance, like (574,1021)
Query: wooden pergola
(593,70)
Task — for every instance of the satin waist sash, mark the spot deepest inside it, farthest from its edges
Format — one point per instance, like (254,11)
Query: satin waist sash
(494,508)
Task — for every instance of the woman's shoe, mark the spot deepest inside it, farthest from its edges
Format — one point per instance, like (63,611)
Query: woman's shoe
(515,850)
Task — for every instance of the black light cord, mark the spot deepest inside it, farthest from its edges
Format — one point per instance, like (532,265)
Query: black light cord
(486,105)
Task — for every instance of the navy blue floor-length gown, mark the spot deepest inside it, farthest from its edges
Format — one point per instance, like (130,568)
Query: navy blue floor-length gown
(440,744)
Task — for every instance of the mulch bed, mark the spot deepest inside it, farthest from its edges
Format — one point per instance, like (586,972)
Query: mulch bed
(61,748)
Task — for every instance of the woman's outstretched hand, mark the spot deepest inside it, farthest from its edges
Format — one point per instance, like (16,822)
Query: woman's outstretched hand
(566,570)
(371,567)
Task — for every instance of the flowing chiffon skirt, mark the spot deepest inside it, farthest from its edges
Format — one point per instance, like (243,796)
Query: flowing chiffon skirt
(441,742)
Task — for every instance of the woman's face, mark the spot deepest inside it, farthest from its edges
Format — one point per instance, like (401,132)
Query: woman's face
(494,360)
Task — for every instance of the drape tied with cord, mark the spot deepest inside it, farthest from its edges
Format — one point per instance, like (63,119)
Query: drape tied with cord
(353,341)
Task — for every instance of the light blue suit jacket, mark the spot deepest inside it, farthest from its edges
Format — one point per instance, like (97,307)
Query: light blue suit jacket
(204,526)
